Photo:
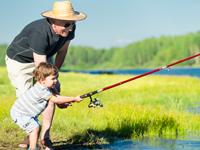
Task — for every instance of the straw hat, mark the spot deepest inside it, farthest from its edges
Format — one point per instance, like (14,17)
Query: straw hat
(63,10)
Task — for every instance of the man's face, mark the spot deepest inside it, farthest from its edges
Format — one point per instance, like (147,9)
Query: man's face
(63,28)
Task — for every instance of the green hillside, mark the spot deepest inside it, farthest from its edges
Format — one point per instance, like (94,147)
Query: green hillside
(149,53)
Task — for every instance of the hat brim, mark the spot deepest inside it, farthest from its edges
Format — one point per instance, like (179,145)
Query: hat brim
(77,16)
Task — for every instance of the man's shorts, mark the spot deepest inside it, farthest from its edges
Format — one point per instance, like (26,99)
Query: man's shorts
(20,75)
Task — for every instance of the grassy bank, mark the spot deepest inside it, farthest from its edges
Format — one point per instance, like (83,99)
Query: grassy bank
(150,106)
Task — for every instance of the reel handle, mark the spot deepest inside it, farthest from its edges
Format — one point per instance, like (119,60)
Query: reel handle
(88,94)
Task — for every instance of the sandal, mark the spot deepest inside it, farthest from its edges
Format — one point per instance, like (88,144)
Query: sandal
(25,143)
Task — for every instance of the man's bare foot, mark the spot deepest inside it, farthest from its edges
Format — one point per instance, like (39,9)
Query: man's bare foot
(47,144)
(24,143)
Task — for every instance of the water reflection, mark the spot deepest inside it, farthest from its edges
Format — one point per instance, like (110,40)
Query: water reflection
(156,144)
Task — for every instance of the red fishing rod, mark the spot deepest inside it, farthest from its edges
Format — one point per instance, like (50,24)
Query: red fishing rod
(96,103)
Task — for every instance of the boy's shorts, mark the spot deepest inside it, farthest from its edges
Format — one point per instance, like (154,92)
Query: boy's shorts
(27,123)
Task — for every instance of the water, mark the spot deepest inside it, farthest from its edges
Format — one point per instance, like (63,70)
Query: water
(156,144)
(195,72)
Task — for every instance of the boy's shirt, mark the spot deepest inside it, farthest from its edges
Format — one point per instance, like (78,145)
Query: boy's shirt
(33,101)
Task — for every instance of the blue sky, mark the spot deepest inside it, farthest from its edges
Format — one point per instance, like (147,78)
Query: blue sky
(110,23)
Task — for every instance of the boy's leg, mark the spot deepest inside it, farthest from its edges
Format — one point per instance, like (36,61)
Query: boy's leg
(33,138)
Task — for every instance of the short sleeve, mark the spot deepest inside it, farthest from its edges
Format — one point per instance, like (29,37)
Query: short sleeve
(38,43)
(46,94)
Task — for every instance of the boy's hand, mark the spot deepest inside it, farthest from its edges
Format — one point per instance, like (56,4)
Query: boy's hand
(78,99)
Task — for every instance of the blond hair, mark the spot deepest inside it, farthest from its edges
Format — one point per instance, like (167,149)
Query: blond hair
(44,70)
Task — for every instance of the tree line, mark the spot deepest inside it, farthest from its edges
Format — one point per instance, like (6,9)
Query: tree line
(148,53)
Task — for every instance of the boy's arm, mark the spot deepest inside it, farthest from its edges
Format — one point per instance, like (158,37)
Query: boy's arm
(63,105)
(58,99)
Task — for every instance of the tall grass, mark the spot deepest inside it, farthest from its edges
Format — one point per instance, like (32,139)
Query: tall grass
(151,106)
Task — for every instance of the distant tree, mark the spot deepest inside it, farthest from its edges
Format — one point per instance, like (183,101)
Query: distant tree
(148,53)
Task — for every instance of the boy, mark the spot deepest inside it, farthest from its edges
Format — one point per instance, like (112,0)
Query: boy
(25,112)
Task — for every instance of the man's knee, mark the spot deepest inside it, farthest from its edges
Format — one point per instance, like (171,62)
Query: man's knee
(49,111)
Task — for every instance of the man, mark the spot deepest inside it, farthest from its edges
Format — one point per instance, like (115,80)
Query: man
(38,42)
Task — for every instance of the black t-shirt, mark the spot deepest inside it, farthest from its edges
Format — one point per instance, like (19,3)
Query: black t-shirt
(36,37)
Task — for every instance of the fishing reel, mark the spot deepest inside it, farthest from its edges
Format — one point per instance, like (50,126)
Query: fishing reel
(95,103)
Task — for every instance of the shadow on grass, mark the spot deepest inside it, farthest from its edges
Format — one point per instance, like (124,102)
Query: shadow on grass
(91,139)
(94,139)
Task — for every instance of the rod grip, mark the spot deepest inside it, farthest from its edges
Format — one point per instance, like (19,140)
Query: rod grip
(88,94)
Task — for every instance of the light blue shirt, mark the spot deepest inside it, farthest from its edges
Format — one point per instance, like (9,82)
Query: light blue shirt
(33,101)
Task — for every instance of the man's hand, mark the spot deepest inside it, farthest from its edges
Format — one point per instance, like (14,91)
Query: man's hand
(39,58)
(63,106)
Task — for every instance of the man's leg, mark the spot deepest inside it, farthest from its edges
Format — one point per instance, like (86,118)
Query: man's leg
(20,75)
(47,118)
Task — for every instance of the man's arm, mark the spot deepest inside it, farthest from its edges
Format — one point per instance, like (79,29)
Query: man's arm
(60,56)
(39,58)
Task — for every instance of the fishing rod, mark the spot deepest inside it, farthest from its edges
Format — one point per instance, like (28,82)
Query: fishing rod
(96,103)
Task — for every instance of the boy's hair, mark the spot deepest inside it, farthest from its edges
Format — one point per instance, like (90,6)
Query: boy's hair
(44,70)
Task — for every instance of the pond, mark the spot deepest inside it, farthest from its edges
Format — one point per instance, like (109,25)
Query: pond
(154,144)
(189,143)
(195,72)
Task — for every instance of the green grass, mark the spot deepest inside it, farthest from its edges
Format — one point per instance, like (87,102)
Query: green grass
(153,106)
